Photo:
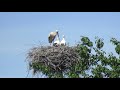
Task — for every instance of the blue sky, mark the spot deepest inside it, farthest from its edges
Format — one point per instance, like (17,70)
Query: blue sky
(20,31)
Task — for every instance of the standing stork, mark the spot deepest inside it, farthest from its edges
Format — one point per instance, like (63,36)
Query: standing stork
(57,42)
(63,42)
(52,36)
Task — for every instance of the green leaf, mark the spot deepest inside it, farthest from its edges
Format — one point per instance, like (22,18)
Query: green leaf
(90,44)
(117,49)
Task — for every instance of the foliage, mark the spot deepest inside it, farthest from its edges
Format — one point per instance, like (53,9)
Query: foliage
(93,61)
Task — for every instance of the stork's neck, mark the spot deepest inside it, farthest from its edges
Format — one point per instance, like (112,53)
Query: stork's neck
(63,37)
(58,38)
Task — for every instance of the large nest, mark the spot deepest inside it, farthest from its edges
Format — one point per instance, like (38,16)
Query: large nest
(57,59)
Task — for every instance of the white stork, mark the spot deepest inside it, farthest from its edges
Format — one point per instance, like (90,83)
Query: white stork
(57,42)
(63,42)
(52,36)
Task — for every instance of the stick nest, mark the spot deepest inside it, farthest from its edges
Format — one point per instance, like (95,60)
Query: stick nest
(53,59)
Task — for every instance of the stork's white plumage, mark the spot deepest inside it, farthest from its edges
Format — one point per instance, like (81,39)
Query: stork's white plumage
(63,42)
(57,42)
(52,36)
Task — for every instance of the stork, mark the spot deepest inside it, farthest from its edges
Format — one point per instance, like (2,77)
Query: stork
(52,36)
(63,42)
(57,42)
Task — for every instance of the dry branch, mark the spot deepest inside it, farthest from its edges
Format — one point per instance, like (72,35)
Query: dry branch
(57,59)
